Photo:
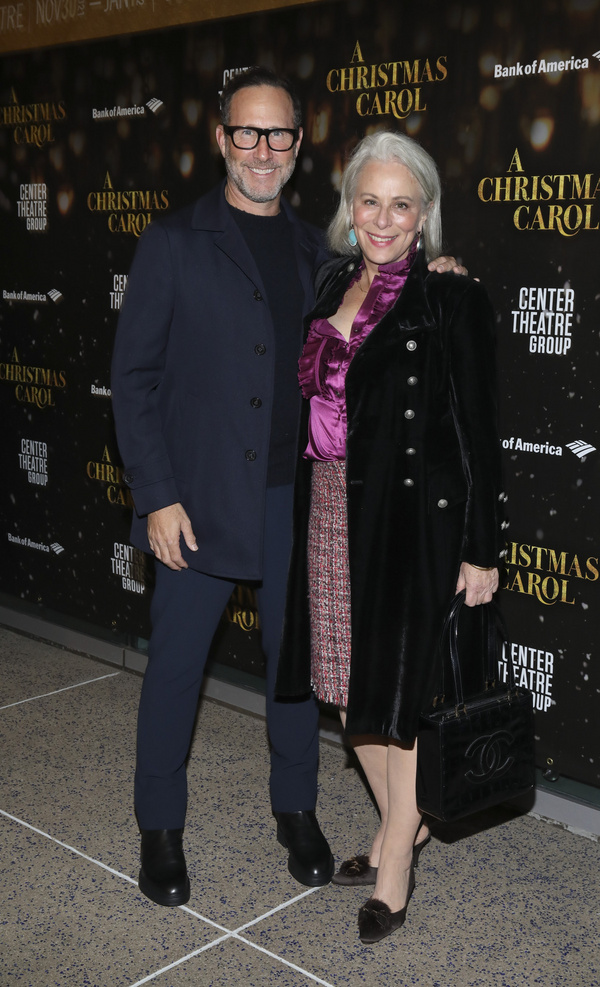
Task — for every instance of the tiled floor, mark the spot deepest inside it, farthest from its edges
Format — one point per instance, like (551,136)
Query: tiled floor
(506,902)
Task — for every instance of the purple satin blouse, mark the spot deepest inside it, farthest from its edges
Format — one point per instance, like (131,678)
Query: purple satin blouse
(327,355)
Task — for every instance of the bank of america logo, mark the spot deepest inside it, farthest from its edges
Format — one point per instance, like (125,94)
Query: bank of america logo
(596,55)
(55,296)
(56,548)
(154,104)
(580,448)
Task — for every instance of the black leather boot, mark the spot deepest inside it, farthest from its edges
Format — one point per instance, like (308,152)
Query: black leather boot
(310,860)
(163,877)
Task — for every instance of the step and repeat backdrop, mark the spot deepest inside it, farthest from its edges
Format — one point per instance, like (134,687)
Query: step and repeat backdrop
(100,138)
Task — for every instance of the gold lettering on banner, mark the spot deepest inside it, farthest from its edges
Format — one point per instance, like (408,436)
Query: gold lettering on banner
(130,211)
(32,123)
(387,88)
(563,203)
(241,609)
(33,385)
(545,573)
(30,24)
(105,471)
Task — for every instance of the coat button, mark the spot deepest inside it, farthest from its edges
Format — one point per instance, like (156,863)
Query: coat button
(412,381)
(408,482)
(257,295)
(409,413)
(505,525)
(411,345)
(260,349)
(250,455)
(442,502)
(128,477)
(411,452)
(255,402)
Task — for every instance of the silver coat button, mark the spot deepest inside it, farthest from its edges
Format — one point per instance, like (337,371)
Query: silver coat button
(505,525)
(411,345)
(442,502)
(412,381)
(410,451)
(409,413)
(409,483)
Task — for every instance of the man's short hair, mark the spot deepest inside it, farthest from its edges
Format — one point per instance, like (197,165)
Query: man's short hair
(258,76)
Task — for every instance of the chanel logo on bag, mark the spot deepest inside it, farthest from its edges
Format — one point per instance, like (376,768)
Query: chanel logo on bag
(491,756)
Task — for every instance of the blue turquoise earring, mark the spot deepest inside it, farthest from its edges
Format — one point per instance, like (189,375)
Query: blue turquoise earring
(352,237)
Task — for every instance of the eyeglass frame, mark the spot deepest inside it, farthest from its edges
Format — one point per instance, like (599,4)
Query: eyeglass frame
(262,132)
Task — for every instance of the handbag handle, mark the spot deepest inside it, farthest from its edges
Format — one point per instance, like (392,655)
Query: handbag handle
(496,631)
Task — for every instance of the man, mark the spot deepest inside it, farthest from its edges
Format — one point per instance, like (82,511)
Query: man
(206,405)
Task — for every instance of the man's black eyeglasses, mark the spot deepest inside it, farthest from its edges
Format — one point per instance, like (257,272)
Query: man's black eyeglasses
(278,138)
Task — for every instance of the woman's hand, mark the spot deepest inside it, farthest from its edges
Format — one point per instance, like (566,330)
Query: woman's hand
(480,584)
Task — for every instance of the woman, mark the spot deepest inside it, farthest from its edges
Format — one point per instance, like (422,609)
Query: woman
(398,367)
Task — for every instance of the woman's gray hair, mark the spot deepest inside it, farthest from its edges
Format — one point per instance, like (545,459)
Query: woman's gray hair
(388,145)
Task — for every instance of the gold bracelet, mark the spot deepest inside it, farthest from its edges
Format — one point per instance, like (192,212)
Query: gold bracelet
(482,568)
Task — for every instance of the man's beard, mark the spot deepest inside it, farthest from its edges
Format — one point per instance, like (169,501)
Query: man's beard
(241,176)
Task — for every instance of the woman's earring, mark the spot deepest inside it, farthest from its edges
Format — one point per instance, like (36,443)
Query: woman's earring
(352,237)
(419,239)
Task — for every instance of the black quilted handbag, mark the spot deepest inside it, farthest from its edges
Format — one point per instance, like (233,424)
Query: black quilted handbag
(478,751)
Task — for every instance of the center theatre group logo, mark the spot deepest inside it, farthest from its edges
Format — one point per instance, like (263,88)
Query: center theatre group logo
(33,385)
(129,211)
(32,123)
(546,316)
(105,471)
(533,669)
(33,458)
(545,573)
(32,206)
(129,564)
(564,203)
(387,88)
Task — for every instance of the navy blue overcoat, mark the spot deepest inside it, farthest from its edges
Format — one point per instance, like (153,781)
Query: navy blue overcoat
(194,348)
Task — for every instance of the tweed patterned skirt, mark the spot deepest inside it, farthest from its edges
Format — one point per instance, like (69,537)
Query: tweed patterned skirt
(329,583)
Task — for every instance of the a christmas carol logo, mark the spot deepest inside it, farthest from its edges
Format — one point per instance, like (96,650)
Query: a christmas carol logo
(563,203)
(33,385)
(129,210)
(33,123)
(396,88)
(548,574)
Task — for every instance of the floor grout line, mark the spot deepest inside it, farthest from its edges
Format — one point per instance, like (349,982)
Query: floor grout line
(66,846)
(65,688)
(229,934)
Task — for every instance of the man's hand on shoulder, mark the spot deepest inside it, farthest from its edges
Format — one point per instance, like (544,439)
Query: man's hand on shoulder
(444,264)
(165,528)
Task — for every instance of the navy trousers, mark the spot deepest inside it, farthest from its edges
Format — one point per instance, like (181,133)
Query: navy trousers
(186,609)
